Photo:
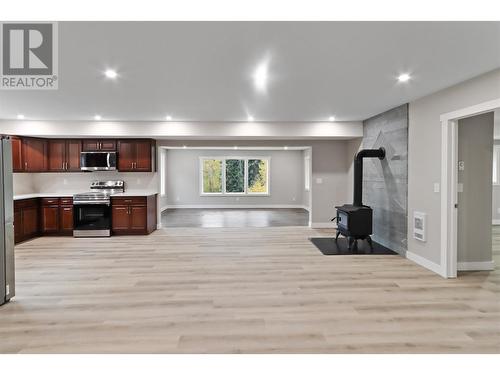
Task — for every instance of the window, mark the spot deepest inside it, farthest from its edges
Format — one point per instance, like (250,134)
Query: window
(257,176)
(212,176)
(234,176)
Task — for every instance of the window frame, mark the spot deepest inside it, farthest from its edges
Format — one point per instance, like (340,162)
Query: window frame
(245,193)
(200,174)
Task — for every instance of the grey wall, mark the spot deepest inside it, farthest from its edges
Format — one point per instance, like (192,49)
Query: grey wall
(286,178)
(385,182)
(424,153)
(475,149)
(330,168)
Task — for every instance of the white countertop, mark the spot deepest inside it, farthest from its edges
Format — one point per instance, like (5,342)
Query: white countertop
(65,194)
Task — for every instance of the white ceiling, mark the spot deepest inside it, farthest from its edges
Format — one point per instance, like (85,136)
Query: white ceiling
(202,71)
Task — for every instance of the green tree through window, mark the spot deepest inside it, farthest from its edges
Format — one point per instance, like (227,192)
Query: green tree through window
(257,176)
(235,176)
(212,176)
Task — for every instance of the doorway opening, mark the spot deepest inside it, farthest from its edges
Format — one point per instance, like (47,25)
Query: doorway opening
(467,179)
(235,187)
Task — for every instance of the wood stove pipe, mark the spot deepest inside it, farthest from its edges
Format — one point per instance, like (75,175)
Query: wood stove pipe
(358,171)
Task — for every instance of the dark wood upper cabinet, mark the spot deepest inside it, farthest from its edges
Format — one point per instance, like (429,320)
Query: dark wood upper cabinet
(35,154)
(73,150)
(135,155)
(126,155)
(29,154)
(64,155)
(90,145)
(143,157)
(17,154)
(57,155)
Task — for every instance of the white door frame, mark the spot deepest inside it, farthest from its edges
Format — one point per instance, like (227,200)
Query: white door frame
(449,181)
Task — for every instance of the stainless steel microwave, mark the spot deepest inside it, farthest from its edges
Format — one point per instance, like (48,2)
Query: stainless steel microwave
(98,161)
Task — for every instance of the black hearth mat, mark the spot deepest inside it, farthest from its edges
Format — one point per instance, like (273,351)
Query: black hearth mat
(328,246)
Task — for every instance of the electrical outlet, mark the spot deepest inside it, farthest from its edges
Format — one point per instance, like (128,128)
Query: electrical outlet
(319,180)
(461,165)
(294,199)
(237,199)
(436,187)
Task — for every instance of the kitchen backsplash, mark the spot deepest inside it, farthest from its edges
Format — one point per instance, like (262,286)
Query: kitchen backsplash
(25,183)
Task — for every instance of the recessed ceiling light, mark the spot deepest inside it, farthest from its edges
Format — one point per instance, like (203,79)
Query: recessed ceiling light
(20,116)
(404,77)
(97,118)
(260,76)
(235,147)
(331,118)
(168,118)
(250,118)
(184,146)
(285,148)
(110,73)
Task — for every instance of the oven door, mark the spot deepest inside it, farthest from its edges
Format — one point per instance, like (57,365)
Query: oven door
(92,220)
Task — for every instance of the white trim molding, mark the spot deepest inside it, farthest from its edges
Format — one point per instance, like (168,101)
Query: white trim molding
(495,222)
(426,263)
(476,266)
(244,206)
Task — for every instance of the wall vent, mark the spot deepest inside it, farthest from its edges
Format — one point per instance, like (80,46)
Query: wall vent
(419,226)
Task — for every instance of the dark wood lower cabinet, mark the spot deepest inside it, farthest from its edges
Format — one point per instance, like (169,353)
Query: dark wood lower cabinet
(25,219)
(54,216)
(57,216)
(66,219)
(133,215)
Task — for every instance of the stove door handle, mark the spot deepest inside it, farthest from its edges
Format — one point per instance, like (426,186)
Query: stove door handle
(82,203)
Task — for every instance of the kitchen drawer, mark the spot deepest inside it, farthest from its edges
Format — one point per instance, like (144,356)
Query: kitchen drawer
(50,201)
(31,202)
(125,201)
(66,201)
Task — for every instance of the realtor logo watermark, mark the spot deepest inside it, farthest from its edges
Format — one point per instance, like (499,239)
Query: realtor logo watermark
(28,56)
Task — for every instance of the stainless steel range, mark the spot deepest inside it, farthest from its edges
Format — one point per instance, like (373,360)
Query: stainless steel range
(92,210)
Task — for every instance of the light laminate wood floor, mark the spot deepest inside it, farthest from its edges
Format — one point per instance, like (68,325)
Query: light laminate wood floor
(252,290)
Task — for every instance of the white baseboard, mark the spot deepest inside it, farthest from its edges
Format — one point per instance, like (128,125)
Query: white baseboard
(496,222)
(327,225)
(421,261)
(476,266)
(215,206)
(163,208)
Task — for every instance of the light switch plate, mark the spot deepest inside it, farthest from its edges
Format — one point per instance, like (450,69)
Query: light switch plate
(319,180)
(460,188)
(436,187)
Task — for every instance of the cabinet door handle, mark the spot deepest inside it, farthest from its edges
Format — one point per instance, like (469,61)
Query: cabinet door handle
(67,209)
(26,164)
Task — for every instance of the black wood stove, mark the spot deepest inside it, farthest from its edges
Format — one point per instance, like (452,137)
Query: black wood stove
(354,221)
